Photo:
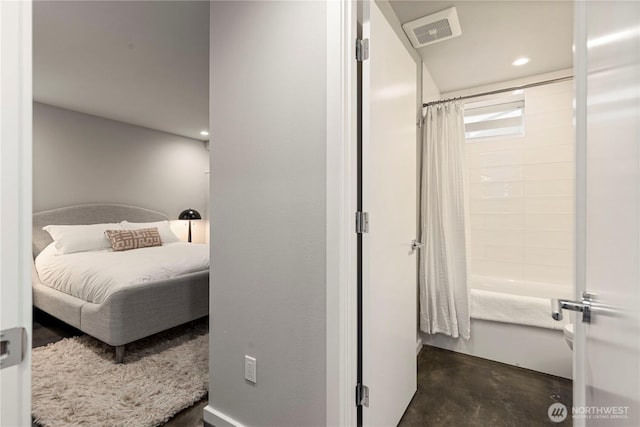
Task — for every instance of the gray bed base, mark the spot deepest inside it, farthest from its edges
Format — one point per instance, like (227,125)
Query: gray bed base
(129,314)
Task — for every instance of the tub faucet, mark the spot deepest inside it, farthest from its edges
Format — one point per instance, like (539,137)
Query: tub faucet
(556,309)
(584,306)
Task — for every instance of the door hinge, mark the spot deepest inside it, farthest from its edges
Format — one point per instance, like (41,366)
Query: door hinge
(362,395)
(362,222)
(13,345)
(362,49)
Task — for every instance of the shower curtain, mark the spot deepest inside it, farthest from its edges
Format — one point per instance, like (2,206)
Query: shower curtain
(444,297)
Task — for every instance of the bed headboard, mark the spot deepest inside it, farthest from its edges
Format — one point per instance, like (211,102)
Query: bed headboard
(87,214)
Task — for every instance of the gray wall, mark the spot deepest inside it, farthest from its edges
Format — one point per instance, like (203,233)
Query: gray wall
(79,158)
(268,192)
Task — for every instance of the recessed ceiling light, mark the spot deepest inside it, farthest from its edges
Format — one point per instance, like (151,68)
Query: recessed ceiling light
(520,61)
(204,133)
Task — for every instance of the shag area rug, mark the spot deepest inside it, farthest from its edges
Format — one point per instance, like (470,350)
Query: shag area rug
(77,383)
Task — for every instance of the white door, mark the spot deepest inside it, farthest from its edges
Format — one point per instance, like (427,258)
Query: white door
(389,195)
(15,207)
(607,351)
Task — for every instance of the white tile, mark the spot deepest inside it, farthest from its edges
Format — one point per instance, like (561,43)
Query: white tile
(473,160)
(499,174)
(549,102)
(548,120)
(549,222)
(545,172)
(506,238)
(497,269)
(489,222)
(548,239)
(548,153)
(485,146)
(475,251)
(549,257)
(550,188)
(498,253)
(548,205)
(543,92)
(494,158)
(495,190)
(548,274)
(521,194)
(496,206)
(542,137)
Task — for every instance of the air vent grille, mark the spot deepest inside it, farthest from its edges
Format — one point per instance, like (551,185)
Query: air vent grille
(432,32)
(433,28)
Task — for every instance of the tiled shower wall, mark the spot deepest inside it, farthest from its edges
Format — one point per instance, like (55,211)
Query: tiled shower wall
(521,195)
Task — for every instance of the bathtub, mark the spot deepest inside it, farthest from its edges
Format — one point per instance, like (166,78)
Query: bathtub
(511,323)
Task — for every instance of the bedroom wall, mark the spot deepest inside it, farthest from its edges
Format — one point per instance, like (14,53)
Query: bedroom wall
(80,158)
(269,220)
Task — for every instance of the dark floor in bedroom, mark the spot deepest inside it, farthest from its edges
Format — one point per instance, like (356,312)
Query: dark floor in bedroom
(459,390)
(48,329)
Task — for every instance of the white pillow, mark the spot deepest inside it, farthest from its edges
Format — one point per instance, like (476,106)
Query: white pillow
(80,238)
(164,229)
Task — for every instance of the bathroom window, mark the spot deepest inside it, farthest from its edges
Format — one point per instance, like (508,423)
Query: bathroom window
(493,118)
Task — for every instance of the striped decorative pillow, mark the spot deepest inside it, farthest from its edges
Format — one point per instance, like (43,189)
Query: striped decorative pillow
(124,240)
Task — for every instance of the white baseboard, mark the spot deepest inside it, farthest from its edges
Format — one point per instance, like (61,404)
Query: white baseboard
(218,419)
(419,345)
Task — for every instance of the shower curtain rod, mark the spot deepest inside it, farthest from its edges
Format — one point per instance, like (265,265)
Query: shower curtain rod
(495,92)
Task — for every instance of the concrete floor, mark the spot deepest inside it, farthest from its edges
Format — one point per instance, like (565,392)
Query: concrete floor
(454,390)
(189,417)
(459,390)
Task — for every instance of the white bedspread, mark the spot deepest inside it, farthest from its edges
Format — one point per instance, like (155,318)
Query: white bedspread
(93,276)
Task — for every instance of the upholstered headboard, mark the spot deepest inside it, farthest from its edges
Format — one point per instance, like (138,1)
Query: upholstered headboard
(87,214)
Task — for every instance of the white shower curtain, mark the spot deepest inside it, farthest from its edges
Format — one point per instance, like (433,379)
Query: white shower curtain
(444,296)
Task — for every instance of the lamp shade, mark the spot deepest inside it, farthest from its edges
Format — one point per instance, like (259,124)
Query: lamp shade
(189,214)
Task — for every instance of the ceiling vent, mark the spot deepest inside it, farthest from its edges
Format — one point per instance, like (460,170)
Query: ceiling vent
(433,28)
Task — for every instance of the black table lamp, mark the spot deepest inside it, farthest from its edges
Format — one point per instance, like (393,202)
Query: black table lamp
(189,215)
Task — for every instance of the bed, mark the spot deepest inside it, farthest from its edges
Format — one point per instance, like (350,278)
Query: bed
(127,314)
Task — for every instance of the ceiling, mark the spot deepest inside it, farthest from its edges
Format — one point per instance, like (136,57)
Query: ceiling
(494,34)
(147,62)
(140,62)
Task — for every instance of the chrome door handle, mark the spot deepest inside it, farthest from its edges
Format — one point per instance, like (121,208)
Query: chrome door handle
(415,244)
(584,306)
